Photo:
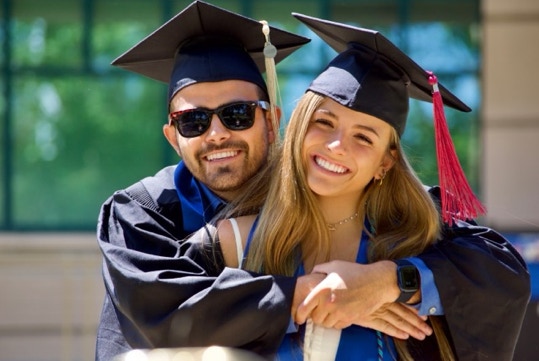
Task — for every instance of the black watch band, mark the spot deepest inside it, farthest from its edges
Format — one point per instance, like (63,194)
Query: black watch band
(407,280)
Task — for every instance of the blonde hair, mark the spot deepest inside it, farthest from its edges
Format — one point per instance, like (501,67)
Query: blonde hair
(403,217)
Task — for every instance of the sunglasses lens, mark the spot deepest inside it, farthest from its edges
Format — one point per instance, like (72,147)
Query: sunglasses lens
(238,116)
(193,123)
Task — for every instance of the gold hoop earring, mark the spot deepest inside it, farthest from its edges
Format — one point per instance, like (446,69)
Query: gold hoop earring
(384,172)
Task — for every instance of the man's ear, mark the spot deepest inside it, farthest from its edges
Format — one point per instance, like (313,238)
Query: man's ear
(274,122)
(278,113)
(172,136)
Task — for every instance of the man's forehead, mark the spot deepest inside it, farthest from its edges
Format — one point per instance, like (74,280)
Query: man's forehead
(214,94)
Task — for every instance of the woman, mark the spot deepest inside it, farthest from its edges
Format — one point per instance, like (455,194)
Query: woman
(327,190)
(342,189)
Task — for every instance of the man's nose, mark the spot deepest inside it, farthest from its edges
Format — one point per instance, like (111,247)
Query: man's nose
(217,132)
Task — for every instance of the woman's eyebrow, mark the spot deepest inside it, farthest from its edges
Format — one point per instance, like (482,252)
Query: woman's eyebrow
(367,128)
(327,112)
(360,126)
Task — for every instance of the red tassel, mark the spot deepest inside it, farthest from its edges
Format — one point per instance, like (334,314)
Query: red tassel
(457,197)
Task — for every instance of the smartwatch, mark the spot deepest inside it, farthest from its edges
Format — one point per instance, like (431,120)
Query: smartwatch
(407,280)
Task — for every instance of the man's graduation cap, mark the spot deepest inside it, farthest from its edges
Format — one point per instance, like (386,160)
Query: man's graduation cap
(205,43)
(371,75)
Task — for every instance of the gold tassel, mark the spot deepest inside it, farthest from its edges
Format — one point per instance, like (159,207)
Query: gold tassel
(270,51)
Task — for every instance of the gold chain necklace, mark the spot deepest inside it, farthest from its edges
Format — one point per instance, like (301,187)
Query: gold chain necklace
(333,226)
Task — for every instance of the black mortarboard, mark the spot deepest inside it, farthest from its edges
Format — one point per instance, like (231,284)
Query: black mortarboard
(371,75)
(205,43)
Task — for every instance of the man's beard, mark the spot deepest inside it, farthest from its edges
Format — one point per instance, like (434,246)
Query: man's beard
(230,178)
(226,180)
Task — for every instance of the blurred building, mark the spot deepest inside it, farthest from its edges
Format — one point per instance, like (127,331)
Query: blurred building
(74,132)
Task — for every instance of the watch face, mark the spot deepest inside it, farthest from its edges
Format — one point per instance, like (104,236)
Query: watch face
(408,278)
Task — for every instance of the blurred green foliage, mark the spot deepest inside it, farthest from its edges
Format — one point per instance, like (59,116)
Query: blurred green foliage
(79,129)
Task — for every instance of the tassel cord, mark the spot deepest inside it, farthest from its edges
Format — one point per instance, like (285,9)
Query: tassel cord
(457,197)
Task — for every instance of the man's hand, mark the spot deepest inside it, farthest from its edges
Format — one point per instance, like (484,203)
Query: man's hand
(363,295)
(304,286)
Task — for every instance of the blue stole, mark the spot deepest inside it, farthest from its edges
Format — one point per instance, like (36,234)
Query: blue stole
(199,204)
(356,343)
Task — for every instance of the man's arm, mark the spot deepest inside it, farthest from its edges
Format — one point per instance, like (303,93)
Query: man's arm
(429,302)
(167,293)
(364,295)
(483,284)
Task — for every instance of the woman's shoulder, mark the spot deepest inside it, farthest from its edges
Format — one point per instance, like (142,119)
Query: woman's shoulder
(232,234)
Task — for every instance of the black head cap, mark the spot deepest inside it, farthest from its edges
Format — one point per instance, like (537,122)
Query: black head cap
(205,43)
(370,74)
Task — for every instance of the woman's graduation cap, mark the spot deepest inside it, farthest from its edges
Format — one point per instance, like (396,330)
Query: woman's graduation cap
(205,43)
(371,75)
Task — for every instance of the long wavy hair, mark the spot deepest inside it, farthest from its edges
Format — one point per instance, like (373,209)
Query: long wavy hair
(404,219)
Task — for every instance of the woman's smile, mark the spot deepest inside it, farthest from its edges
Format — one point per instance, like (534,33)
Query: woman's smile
(329,166)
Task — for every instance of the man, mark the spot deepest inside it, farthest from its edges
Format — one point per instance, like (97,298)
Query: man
(216,67)
(163,292)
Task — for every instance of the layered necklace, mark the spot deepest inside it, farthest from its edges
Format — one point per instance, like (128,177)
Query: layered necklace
(333,226)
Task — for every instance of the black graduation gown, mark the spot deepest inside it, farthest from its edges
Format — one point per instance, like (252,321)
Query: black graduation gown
(153,300)
(484,287)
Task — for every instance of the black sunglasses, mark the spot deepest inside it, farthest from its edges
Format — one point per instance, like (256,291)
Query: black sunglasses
(235,116)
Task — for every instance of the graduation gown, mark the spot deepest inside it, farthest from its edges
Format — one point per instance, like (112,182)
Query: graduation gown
(164,292)
(152,299)
(484,286)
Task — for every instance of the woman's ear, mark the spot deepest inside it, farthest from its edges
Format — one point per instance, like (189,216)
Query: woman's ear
(388,162)
(170,133)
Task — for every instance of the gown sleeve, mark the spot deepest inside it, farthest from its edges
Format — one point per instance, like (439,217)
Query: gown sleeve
(484,286)
(165,293)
